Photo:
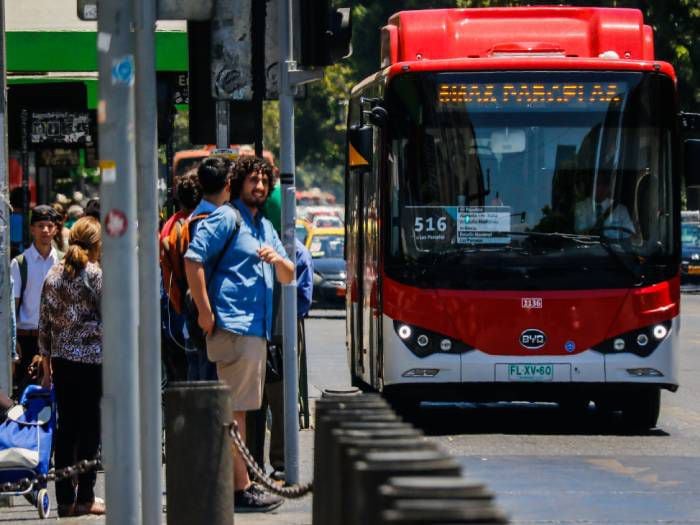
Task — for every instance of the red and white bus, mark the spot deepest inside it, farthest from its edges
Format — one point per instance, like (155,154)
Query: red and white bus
(512,211)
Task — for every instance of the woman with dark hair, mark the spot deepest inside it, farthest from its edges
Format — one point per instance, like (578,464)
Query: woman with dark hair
(70,343)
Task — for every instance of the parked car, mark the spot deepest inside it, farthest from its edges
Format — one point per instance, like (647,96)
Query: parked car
(327,250)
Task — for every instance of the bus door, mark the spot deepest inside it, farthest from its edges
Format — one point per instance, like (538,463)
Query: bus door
(371,307)
(362,249)
(353,259)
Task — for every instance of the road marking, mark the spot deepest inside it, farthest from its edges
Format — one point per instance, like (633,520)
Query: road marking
(640,474)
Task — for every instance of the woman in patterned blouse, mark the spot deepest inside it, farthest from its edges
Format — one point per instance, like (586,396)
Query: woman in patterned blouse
(70,342)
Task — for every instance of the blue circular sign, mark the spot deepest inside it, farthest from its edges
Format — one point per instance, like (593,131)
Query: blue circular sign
(569,346)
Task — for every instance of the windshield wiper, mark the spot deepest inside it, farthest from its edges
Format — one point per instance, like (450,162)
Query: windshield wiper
(575,237)
(602,240)
(458,252)
(623,262)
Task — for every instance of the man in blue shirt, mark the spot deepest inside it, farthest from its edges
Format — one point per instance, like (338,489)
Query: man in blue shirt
(239,259)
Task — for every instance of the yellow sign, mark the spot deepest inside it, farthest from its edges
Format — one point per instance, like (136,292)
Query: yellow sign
(523,93)
(354,157)
(108,171)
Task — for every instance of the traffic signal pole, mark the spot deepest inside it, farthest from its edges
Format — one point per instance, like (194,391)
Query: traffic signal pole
(121,448)
(289,297)
(149,273)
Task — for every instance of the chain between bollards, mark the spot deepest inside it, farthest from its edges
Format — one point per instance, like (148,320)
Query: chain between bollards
(80,467)
(291,492)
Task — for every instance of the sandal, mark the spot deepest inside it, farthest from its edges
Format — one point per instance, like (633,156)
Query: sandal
(96,508)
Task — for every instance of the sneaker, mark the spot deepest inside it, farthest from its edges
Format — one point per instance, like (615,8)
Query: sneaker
(255,499)
(278,475)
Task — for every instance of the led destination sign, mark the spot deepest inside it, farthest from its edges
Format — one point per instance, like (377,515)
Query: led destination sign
(531,94)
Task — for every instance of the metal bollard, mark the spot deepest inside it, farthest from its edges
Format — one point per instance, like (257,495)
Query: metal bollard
(419,487)
(328,420)
(199,470)
(369,473)
(423,512)
(353,450)
(336,392)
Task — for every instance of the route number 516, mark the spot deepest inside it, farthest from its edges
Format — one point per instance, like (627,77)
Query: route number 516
(430,224)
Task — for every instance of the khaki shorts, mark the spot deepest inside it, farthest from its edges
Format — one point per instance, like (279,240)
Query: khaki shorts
(240,363)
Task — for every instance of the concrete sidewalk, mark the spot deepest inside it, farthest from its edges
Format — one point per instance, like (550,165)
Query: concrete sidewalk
(326,368)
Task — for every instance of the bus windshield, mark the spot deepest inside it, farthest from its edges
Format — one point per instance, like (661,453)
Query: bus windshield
(531,180)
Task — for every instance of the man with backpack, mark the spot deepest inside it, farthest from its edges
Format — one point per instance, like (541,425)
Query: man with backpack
(231,265)
(28,271)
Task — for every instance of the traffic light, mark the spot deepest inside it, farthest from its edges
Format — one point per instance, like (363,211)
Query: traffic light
(325,33)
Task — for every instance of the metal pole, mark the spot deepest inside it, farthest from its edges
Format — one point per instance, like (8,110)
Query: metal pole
(26,197)
(6,300)
(120,308)
(149,290)
(223,111)
(289,296)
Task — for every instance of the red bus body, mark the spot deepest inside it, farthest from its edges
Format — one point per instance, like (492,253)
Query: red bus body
(489,325)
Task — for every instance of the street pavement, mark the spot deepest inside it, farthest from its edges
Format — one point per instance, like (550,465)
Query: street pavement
(543,467)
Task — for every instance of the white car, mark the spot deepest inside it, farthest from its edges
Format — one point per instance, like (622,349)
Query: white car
(327,221)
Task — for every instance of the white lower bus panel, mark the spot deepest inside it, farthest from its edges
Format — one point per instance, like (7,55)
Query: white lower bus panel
(661,367)
(475,366)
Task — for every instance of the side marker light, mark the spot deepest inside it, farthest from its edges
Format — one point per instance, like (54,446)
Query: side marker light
(421,372)
(644,372)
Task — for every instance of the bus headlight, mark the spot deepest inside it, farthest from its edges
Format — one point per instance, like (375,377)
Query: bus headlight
(660,331)
(641,342)
(423,343)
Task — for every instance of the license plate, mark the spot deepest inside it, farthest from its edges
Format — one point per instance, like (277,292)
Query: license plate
(530,372)
(693,270)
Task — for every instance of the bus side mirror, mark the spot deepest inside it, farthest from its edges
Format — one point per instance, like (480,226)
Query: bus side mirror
(691,159)
(378,116)
(360,145)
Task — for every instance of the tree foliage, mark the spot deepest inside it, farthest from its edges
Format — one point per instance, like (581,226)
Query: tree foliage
(320,118)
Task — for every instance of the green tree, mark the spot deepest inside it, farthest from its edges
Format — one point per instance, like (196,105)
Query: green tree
(320,118)
(676,26)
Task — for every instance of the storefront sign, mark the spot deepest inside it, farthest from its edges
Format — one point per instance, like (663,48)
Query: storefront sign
(60,128)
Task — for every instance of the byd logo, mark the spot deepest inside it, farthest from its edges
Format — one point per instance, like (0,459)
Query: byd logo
(533,339)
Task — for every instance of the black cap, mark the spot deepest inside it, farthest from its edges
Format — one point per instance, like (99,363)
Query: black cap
(44,212)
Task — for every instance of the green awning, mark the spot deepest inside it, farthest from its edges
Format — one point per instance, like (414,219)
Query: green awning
(73,51)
